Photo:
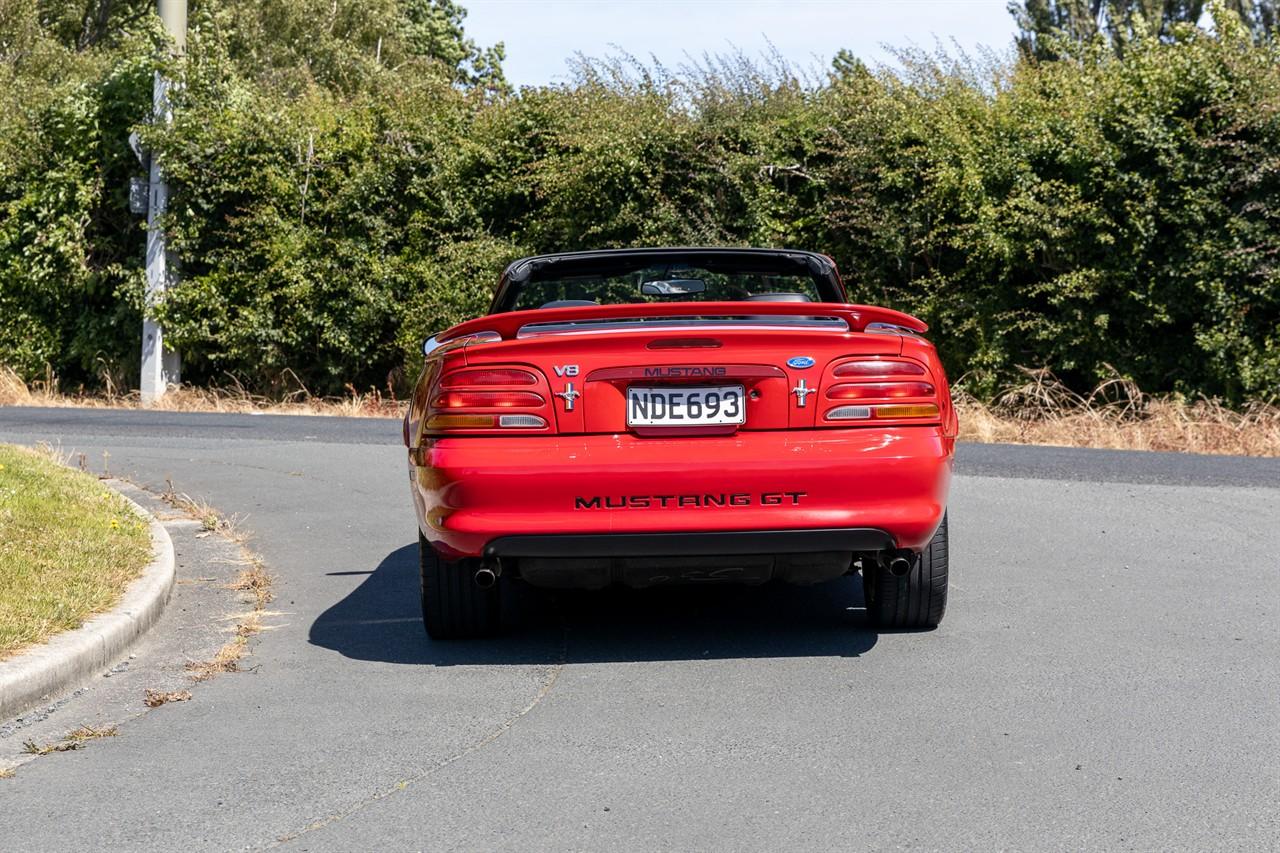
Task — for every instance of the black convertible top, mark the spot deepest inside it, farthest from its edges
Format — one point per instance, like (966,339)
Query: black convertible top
(620,261)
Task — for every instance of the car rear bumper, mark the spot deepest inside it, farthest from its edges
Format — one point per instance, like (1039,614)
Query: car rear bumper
(605,493)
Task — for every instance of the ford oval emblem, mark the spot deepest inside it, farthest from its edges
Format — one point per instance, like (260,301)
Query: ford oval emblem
(800,362)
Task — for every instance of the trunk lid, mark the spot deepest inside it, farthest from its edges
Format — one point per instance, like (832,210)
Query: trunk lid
(780,355)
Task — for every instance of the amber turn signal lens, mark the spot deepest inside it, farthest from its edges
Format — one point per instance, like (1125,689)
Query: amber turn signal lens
(461,421)
(924,410)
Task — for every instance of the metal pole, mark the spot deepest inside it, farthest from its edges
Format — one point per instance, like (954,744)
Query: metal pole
(160,366)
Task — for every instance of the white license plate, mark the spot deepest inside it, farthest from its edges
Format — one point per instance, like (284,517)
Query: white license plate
(675,406)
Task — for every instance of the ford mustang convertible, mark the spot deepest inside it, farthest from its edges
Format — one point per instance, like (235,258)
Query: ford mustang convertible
(696,416)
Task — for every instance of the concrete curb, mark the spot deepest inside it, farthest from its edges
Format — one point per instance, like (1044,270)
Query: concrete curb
(74,656)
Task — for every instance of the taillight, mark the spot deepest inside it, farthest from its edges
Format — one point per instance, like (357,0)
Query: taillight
(488,376)
(924,410)
(884,390)
(879,367)
(461,421)
(481,399)
(862,413)
(488,400)
(485,421)
(879,390)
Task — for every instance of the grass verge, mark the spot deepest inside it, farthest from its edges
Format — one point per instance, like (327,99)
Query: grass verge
(68,547)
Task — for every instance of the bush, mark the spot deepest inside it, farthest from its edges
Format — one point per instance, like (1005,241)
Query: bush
(1096,214)
(71,254)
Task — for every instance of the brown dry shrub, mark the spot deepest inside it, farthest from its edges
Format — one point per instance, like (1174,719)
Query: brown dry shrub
(231,399)
(156,698)
(1117,415)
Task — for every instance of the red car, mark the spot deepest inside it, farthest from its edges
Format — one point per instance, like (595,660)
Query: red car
(654,416)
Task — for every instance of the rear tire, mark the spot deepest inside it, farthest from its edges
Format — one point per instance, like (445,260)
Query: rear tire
(454,606)
(917,599)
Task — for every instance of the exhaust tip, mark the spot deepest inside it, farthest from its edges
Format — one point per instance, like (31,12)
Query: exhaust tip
(899,566)
(485,578)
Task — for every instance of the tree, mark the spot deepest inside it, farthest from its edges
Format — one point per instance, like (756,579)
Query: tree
(90,22)
(344,44)
(1044,25)
(433,28)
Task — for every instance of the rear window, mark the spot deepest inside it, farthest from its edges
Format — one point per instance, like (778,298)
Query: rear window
(674,282)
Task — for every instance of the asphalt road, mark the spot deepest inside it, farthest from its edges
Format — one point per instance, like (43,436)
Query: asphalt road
(1106,677)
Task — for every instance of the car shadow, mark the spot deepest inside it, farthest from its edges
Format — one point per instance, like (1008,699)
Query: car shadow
(381,620)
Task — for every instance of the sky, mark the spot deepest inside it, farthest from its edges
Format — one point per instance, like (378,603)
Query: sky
(540,35)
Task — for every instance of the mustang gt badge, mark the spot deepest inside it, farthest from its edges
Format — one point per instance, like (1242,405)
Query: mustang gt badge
(800,362)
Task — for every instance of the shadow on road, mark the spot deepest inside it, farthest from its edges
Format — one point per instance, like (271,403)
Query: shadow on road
(381,621)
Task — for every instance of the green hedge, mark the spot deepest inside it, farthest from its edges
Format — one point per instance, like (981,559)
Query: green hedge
(1089,214)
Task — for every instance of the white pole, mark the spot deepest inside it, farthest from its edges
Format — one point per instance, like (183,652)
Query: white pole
(160,366)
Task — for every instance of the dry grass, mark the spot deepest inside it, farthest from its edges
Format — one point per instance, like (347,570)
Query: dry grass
(254,581)
(228,657)
(156,698)
(233,398)
(74,739)
(6,773)
(1117,415)
(198,509)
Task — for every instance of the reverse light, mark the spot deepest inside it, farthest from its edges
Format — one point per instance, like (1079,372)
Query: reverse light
(849,413)
(521,421)
(488,399)
(879,390)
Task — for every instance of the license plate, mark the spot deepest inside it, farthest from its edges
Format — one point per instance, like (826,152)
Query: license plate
(674,406)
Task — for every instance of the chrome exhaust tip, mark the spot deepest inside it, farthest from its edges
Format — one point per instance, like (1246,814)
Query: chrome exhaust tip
(485,578)
(899,566)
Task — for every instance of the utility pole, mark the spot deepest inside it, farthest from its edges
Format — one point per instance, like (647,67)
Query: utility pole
(160,366)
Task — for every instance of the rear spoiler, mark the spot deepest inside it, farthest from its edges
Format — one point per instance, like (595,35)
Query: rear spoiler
(857,317)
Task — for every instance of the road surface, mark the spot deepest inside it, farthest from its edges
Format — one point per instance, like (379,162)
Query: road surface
(1106,677)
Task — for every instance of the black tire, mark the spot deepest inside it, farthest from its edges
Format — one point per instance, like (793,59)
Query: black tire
(917,599)
(454,606)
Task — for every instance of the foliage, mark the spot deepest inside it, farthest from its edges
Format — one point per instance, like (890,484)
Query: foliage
(70,252)
(349,177)
(1051,28)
